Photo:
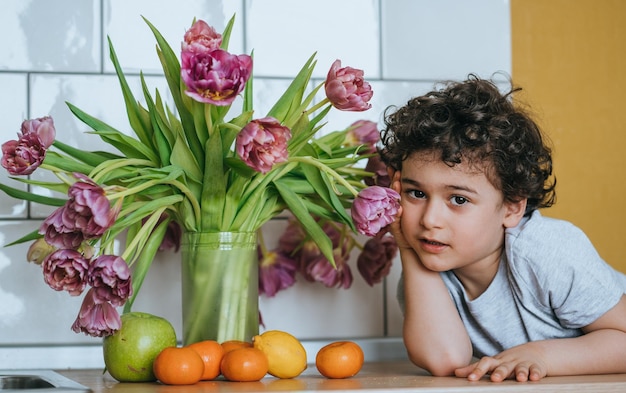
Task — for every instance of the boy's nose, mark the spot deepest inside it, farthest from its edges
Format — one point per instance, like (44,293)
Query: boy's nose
(432,216)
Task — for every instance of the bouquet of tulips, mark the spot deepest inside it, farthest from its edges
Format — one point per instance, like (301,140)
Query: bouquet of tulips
(195,167)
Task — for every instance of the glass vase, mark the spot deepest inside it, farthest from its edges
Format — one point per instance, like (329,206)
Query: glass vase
(220,289)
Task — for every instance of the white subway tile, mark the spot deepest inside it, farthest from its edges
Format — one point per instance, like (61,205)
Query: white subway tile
(41,35)
(445,39)
(284,34)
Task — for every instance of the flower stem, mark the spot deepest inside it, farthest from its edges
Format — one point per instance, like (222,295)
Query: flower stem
(326,169)
(317,106)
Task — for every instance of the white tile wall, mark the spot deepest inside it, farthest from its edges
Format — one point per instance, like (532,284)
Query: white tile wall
(53,52)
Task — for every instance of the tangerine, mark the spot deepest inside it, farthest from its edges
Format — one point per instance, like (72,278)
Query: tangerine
(211,353)
(244,365)
(235,344)
(339,359)
(178,366)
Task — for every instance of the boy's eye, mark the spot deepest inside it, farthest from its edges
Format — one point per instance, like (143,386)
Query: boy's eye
(416,194)
(458,200)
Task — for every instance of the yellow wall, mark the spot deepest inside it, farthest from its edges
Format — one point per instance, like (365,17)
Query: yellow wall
(569,56)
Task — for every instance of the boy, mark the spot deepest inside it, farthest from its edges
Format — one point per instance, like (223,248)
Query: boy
(485,275)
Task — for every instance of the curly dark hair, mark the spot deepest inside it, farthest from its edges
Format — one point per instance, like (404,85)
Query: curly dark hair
(473,121)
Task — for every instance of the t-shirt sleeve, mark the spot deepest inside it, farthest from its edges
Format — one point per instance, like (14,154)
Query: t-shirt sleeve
(559,265)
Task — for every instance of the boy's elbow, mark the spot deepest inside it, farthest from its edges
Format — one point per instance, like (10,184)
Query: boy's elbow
(442,365)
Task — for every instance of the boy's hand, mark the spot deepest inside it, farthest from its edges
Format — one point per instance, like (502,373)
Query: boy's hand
(523,363)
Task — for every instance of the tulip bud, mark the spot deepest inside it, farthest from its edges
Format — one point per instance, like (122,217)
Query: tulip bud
(38,251)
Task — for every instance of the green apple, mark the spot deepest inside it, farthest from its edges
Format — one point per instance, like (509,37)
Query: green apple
(130,352)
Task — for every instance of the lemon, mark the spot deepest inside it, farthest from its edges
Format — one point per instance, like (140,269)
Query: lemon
(285,354)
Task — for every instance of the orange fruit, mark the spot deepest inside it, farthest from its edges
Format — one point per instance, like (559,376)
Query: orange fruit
(211,353)
(339,359)
(178,366)
(235,344)
(244,365)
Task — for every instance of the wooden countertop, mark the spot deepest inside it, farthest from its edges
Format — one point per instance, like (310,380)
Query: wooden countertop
(392,376)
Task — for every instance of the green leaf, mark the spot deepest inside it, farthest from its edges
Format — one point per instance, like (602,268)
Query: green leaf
(129,146)
(171,69)
(162,146)
(312,228)
(143,263)
(226,33)
(322,184)
(56,187)
(65,163)
(91,158)
(182,157)
(137,123)
(29,196)
(34,235)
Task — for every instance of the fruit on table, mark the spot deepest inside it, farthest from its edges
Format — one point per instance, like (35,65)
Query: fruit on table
(339,359)
(178,366)
(244,365)
(211,353)
(229,345)
(130,352)
(285,353)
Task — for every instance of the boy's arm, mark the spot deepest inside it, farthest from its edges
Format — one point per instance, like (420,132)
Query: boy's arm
(434,335)
(601,350)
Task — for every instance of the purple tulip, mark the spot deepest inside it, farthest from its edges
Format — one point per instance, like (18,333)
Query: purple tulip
(43,127)
(96,318)
(201,38)
(215,77)
(86,215)
(109,276)
(346,89)
(263,143)
(379,169)
(376,259)
(66,270)
(276,272)
(320,270)
(374,208)
(363,132)
(23,156)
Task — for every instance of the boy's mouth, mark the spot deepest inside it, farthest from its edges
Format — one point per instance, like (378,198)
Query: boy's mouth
(433,242)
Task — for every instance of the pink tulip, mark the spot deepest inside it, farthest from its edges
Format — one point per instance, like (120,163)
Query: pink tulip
(86,215)
(215,77)
(374,262)
(276,272)
(43,127)
(363,132)
(96,318)
(346,89)
(374,208)
(263,143)
(23,156)
(109,276)
(66,270)
(201,38)
(320,270)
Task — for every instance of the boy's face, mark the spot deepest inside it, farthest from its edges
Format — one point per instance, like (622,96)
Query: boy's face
(453,217)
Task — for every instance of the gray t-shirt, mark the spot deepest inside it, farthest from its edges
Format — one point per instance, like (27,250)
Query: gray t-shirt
(551,282)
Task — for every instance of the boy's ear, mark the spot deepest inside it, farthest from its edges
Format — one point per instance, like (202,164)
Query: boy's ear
(514,213)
